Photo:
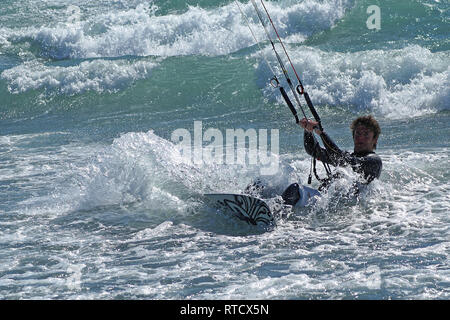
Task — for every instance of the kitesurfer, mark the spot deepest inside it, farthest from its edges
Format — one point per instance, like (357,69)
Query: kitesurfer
(363,160)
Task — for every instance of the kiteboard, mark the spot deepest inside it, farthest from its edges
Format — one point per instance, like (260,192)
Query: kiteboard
(252,210)
(255,211)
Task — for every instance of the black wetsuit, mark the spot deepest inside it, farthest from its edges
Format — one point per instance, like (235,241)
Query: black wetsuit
(367,164)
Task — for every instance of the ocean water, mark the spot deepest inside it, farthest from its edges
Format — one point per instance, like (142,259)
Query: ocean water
(97,200)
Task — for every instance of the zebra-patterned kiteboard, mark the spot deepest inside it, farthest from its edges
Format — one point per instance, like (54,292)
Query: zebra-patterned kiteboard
(252,210)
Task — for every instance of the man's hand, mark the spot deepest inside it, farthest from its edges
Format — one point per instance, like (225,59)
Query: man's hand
(310,125)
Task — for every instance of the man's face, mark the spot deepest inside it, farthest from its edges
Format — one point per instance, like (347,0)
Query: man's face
(364,139)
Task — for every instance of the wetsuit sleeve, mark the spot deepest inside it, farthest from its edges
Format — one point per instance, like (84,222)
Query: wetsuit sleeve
(331,154)
(336,156)
(313,148)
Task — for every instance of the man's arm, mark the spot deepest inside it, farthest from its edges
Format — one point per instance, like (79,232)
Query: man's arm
(331,154)
(313,148)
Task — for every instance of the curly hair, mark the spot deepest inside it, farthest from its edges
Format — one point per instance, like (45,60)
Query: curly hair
(369,122)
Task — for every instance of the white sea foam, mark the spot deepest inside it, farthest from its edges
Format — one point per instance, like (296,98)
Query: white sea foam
(394,83)
(96,75)
(140,32)
(3,38)
(352,251)
(141,168)
(72,212)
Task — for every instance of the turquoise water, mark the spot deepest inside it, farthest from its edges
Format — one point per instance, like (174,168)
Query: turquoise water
(97,202)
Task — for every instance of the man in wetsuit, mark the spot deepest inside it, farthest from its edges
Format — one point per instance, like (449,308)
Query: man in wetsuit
(363,160)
